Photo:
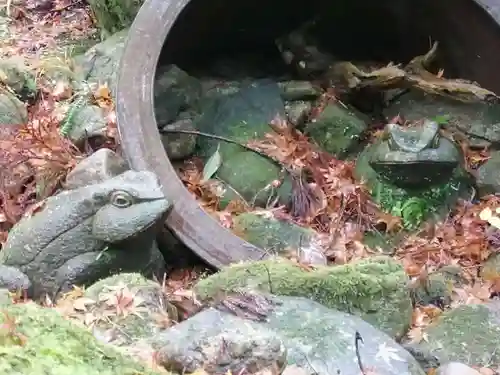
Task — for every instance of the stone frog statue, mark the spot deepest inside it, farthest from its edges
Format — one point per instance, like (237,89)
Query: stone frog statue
(413,157)
(102,224)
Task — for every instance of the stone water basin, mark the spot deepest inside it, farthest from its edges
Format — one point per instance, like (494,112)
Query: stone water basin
(183,40)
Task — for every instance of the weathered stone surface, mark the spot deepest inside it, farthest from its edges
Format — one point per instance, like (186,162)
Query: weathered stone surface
(480,122)
(375,289)
(13,279)
(222,353)
(415,157)
(299,90)
(297,111)
(315,337)
(54,345)
(174,91)
(467,334)
(90,232)
(87,121)
(101,62)
(416,199)
(98,167)
(273,235)
(336,129)
(242,117)
(179,146)
(488,175)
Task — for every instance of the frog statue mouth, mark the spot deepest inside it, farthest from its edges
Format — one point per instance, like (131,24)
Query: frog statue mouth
(416,157)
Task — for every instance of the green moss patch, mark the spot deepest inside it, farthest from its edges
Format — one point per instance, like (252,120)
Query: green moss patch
(374,289)
(53,345)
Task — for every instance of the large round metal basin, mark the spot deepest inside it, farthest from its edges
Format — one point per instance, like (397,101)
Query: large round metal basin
(182,31)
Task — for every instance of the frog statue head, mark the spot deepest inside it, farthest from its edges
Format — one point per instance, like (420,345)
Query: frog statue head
(415,157)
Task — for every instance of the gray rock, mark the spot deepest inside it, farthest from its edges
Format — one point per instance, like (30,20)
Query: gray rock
(242,117)
(299,90)
(375,288)
(270,234)
(337,129)
(467,334)
(98,167)
(488,175)
(84,234)
(100,63)
(179,146)
(12,110)
(456,368)
(480,122)
(87,121)
(224,352)
(315,337)
(297,111)
(174,91)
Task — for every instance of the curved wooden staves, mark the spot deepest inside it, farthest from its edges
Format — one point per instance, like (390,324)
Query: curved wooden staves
(474,27)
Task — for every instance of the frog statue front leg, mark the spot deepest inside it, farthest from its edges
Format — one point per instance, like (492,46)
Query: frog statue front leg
(102,223)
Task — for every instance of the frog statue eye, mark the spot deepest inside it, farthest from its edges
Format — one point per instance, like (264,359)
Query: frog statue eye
(121,199)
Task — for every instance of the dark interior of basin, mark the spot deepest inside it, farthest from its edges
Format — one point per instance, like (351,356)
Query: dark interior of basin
(384,30)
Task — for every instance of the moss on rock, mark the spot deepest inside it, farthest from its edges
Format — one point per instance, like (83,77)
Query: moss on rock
(374,289)
(271,234)
(467,334)
(56,346)
(114,15)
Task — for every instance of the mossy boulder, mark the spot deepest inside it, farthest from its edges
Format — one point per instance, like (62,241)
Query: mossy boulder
(271,234)
(114,15)
(374,289)
(244,116)
(467,334)
(438,288)
(46,343)
(337,129)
